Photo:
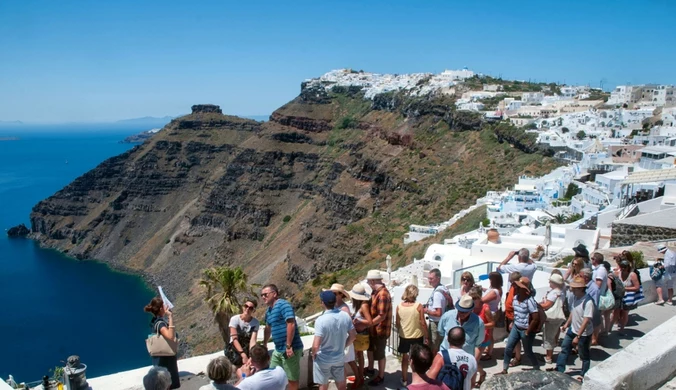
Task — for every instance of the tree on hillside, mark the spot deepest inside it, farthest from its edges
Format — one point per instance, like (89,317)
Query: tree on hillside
(564,130)
(224,288)
(581,134)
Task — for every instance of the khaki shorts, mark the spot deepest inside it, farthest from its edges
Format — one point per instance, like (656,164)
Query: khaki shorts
(377,345)
(435,338)
(290,365)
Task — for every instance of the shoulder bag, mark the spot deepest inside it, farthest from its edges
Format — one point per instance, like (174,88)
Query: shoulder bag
(555,312)
(158,345)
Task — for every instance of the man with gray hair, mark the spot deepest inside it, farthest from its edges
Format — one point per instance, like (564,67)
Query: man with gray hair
(525,266)
(594,292)
(436,307)
(158,378)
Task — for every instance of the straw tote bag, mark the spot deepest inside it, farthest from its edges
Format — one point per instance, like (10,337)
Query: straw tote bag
(158,345)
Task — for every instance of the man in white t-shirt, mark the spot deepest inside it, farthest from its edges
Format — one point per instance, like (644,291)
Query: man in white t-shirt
(600,274)
(525,266)
(256,374)
(465,362)
(436,307)
(578,328)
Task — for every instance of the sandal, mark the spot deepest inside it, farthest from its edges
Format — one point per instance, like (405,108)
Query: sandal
(486,357)
(482,379)
(514,362)
(503,372)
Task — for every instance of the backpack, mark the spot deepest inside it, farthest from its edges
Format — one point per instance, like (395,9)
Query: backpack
(618,287)
(542,317)
(657,271)
(447,297)
(450,374)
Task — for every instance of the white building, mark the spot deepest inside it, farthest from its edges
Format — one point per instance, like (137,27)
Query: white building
(620,95)
(458,75)
(532,97)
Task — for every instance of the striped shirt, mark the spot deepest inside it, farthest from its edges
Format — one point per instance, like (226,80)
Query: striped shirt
(275,318)
(522,311)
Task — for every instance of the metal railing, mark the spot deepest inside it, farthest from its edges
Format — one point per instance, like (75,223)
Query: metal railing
(393,340)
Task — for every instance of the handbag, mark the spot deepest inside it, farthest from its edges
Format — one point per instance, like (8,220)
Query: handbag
(607,301)
(555,312)
(159,345)
(499,316)
(232,355)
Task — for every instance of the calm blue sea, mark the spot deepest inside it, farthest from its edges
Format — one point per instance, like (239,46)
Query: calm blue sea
(52,306)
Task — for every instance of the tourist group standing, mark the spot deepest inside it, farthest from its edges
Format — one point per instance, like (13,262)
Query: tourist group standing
(442,342)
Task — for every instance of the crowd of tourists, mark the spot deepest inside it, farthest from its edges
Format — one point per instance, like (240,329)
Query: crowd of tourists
(443,342)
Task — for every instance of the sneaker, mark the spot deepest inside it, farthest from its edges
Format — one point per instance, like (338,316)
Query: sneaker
(403,382)
(660,302)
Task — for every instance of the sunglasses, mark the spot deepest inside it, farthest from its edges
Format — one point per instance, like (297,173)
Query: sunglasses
(466,279)
(249,307)
(264,295)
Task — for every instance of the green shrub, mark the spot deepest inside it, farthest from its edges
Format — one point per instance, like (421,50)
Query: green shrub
(639,260)
(565,261)
(287,218)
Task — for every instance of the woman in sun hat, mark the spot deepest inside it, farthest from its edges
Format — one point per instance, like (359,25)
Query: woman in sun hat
(552,303)
(362,321)
(341,296)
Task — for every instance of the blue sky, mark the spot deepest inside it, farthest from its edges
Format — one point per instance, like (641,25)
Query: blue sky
(106,60)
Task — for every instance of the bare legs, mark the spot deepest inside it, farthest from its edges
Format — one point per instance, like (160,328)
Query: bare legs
(404,367)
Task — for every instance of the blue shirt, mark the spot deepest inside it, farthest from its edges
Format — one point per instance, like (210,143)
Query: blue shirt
(333,327)
(275,318)
(474,330)
(522,311)
(594,292)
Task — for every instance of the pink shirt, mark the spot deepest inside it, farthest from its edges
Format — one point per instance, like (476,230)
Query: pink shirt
(433,385)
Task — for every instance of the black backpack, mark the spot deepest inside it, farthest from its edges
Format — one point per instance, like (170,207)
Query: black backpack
(618,286)
(450,374)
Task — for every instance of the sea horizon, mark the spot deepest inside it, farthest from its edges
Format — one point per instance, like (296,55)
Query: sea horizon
(58,306)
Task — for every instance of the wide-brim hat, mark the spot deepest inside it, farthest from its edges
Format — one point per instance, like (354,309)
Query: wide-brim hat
(556,279)
(465,304)
(358,293)
(581,250)
(373,274)
(338,289)
(578,282)
(523,282)
(661,248)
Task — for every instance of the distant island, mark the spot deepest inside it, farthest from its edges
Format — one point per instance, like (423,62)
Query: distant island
(10,123)
(140,137)
(149,121)
(9,138)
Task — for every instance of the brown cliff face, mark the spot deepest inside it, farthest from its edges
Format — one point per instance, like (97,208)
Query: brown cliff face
(330,183)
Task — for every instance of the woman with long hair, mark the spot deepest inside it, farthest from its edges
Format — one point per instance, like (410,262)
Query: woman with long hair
(410,320)
(362,320)
(630,299)
(492,297)
(243,334)
(575,267)
(163,322)
(466,283)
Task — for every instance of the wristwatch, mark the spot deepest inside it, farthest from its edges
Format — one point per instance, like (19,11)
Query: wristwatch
(288,346)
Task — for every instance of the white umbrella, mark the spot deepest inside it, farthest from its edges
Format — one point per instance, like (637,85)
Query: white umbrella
(388,262)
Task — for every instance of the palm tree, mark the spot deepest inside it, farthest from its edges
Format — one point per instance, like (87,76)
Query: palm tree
(224,286)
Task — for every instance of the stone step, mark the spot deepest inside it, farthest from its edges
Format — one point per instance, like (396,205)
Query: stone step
(671,385)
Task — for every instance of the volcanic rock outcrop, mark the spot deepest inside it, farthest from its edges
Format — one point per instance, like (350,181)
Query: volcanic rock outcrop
(330,182)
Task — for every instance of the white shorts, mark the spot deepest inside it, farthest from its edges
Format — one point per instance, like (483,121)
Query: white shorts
(349,354)
(322,374)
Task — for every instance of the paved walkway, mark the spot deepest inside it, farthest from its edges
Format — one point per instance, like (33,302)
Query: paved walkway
(641,321)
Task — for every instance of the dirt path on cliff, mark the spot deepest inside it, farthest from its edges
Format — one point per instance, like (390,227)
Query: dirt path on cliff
(139,258)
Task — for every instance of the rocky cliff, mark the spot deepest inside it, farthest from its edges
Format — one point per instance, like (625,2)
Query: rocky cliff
(323,190)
